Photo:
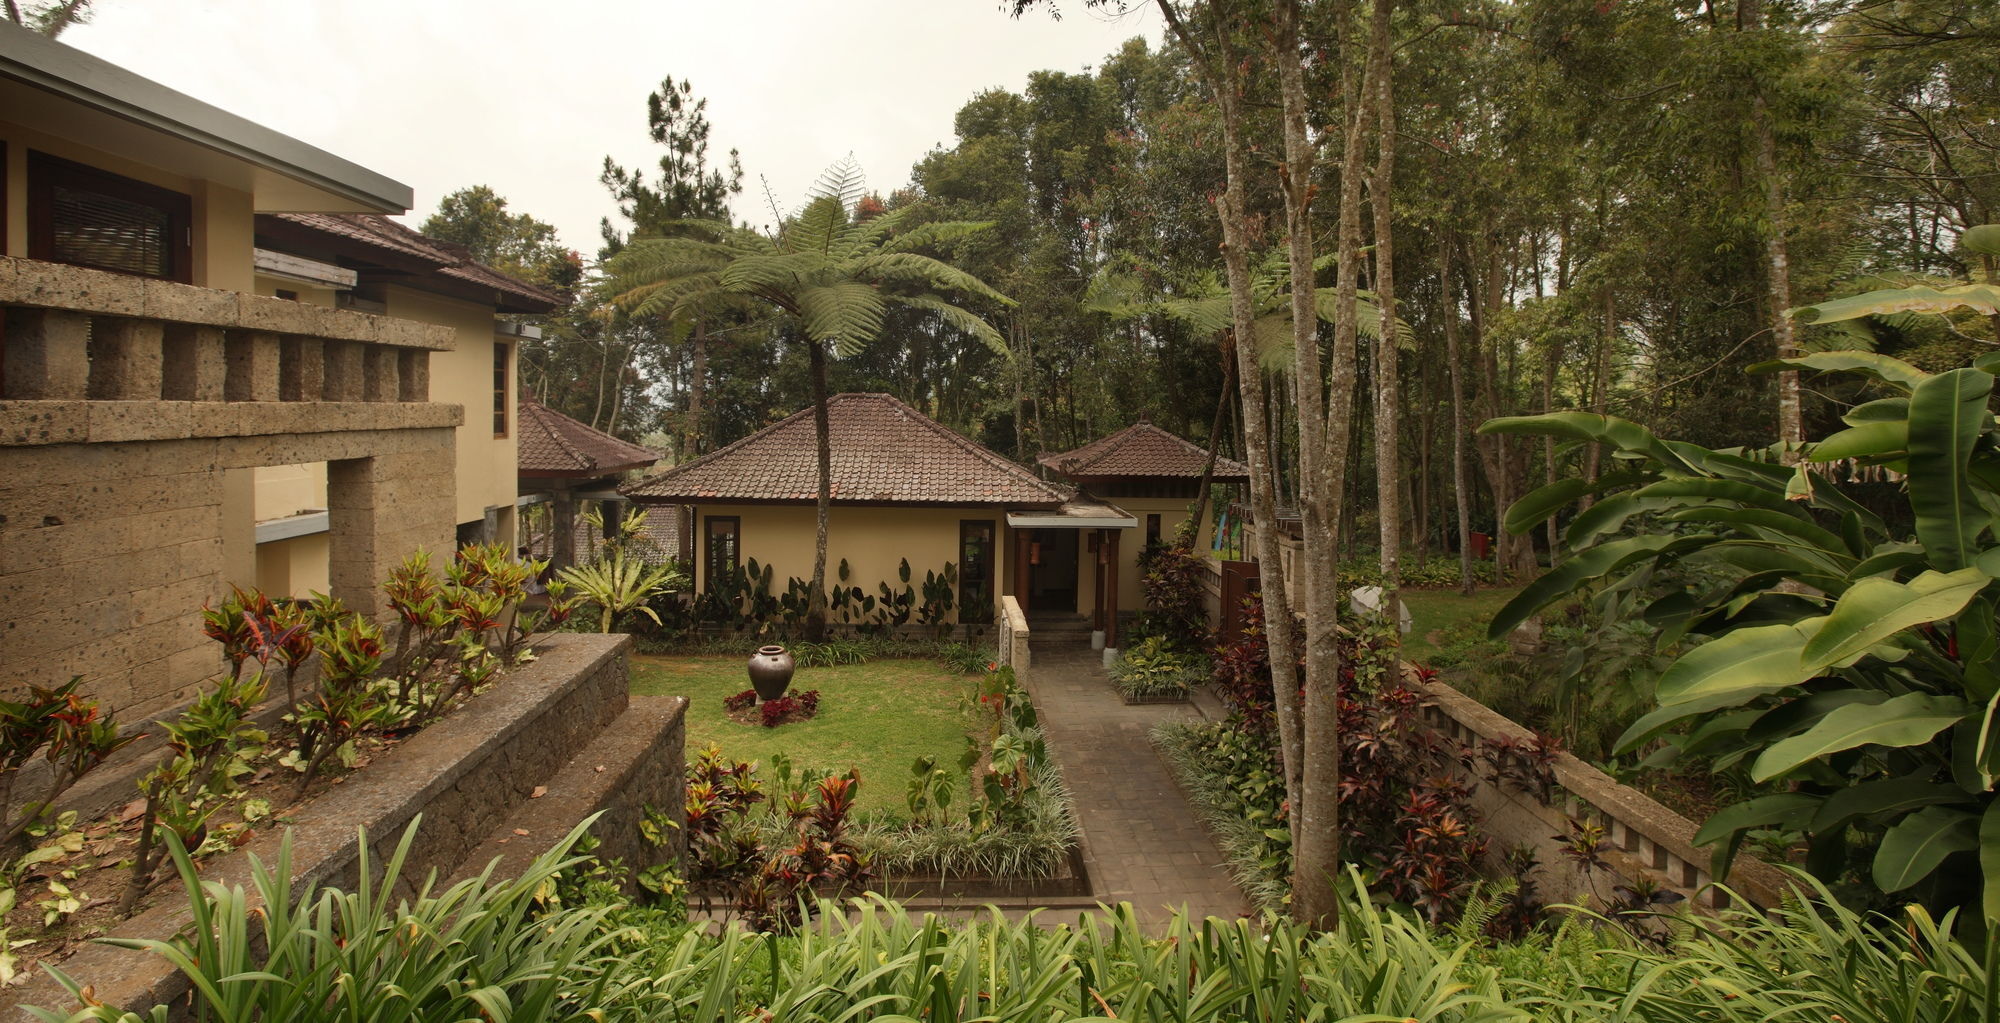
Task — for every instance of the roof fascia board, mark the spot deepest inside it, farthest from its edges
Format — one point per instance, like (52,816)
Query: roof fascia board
(97,83)
(1021,521)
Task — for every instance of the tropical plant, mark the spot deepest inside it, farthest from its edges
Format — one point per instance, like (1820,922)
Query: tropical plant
(1847,658)
(69,731)
(208,746)
(618,584)
(834,272)
(1153,669)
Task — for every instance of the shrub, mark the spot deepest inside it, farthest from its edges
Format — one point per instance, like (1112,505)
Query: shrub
(1153,669)
(789,708)
(1176,605)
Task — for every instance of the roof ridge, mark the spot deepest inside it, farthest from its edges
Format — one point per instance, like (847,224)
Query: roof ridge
(554,434)
(979,450)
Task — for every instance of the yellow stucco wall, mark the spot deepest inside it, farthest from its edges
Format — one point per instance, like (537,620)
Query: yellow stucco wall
(294,567)
(1172,512)
(873,540)
(487,465)
(224,222)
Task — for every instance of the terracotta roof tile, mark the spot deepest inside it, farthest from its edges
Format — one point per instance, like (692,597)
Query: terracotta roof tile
(554,444)
(1142,449)
(883,452)
(452,260)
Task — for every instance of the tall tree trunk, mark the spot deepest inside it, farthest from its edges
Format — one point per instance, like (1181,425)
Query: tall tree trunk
(1228,350)
(823,436)
(698,389)
(1461,483)
(1223,73)
(1791,425)
(1018,342)
(1550,361)
(1388,383)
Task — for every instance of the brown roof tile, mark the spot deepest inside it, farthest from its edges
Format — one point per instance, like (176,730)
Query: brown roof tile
(553,444)
(451,260)
(1142,449)
(883,452)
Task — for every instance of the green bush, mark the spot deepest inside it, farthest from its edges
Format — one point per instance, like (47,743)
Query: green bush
(1153,668)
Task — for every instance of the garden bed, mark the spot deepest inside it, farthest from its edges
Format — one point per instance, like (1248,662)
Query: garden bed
(462,774)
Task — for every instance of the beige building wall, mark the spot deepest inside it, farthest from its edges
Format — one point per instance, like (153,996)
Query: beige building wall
(1172,512)
(296,567)
(224,222)
(873,540)
(487,464)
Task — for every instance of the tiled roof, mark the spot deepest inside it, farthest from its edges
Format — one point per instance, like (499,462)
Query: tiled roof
(884,452)
(451,260)
(554,444)
(1142,449)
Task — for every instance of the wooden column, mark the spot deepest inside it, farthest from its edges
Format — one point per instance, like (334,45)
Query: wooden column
(1110,543)
(1097,552)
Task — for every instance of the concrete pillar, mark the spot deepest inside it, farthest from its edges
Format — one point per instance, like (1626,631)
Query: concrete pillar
(343,371)
(47,355)
(239,527)
(413,375)
(381,510)
(252,370)
(301,368)
(192,363)
(125,359)
(380,376)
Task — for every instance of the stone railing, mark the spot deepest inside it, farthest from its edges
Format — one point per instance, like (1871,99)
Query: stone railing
(146,354)
(1642,838)
(1012,638)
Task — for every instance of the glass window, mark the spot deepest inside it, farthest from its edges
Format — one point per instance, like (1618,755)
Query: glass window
(724,549)
(1153,528)
(500,350)
(976,538)
(86,217)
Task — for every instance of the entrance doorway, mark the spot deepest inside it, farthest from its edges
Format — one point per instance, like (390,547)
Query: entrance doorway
(1052,570)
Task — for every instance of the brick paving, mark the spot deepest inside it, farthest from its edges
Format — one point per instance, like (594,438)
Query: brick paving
(1143,843)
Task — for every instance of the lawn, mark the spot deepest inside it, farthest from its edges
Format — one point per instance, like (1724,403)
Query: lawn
(1439,616)
(877,716)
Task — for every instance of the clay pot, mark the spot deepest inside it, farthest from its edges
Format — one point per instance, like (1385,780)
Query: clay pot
(771,671)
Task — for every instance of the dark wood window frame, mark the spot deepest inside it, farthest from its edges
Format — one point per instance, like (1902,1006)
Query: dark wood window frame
(708,552)
(983,613)
(45,172)
(1152,527)
(502,359)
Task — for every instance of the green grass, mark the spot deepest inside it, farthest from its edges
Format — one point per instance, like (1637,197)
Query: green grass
(877,717)
(1438,616)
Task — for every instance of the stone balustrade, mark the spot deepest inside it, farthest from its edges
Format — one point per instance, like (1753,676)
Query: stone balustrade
(1013,638)
(132,412)
(74,334)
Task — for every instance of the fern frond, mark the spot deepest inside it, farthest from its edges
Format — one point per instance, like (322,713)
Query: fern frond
(1207,315)
(842,181)
(909,268)
(939,233)
(847,313)
(963,320)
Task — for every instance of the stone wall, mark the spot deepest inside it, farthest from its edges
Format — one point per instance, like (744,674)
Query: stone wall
(1012,638)
(1644,840)
(125,407)
(561,724)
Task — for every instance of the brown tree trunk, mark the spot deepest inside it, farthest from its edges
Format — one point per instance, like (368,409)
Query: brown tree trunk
(1791,425)
(1228,350)
(696,442)
(1388,383)
(1222,72)
(1461,483)
(823,436)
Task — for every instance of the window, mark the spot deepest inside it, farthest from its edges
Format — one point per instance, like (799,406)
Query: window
(975,571)
(725,548)
(86,217)
(1152,529)
(500,350)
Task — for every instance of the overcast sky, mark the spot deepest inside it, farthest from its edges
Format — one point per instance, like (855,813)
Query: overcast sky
(530,97)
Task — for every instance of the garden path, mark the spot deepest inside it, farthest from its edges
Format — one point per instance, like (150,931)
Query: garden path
(1143,843)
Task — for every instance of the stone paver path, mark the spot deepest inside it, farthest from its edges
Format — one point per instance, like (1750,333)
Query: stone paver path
(1143,841)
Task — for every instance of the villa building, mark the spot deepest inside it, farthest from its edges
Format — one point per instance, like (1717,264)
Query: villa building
(220,366)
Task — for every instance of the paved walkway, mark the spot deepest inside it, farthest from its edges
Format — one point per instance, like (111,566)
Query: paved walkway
(1143,843)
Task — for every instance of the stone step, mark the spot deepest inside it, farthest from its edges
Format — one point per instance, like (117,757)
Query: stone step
(634,763)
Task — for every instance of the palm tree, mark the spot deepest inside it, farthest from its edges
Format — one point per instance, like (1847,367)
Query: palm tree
(832,273)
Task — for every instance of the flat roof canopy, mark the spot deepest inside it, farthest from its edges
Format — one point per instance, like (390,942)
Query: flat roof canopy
(106,107)
(1078,512)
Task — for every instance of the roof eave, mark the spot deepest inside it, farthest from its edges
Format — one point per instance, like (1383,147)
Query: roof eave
(72,74)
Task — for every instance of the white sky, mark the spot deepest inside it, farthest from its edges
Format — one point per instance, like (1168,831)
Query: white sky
(530,97)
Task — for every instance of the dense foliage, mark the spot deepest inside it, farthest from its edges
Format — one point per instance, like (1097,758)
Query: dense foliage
(1838,645)
(518,950)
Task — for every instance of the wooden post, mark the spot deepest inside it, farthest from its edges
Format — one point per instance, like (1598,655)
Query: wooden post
(1111,587)
(1023,572)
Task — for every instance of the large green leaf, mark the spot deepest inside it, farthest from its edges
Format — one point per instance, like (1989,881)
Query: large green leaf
(1787,810)
(1981,238)
(1865,441)
(1744,663)
(1545,501)
(1904,721)
(1779,522)
(1582,568)
(1947,413)
(1881,410)
(1622,434)
(1660,719)
(1982,298)
(1887,795)
(1921,841)
(1989,860)
(1876,608)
